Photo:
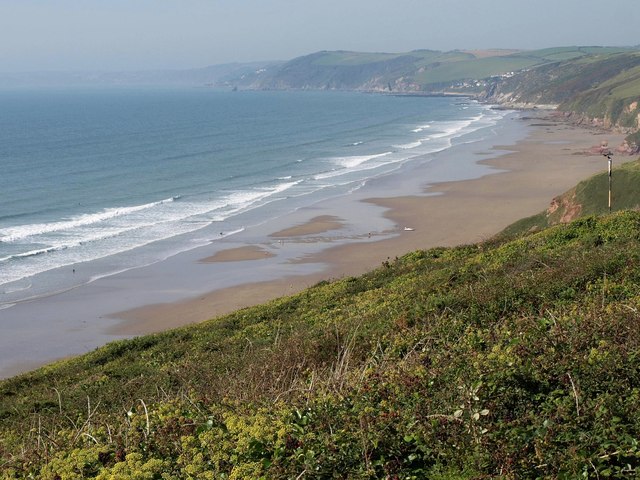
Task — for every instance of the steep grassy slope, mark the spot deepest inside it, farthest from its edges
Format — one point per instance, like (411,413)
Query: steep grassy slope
(561,81)
(614,100)
(507,359)
(602,89)
(589,197)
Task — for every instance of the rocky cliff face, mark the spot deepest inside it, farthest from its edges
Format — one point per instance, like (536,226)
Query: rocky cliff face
(630,146)
(563,209)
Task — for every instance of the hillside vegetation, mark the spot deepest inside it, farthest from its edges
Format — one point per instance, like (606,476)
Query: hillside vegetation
(614,98)
(416,71)
(558,82)
(506,359)
(601,90)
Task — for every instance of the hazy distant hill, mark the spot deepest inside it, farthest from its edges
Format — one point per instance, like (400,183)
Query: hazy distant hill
(206,76)
(416,71)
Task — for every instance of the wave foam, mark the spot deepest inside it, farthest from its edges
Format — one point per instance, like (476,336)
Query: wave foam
(22,232)
(409,146)
(351,164)
(354,161)
(125,229)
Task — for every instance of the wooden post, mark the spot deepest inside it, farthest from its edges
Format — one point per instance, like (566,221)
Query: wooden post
(609,162)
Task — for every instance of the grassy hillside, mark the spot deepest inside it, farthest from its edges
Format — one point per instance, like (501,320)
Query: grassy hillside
(604,88)
(615,98)
(506,359)
(562,81)
(589,197)
(419,70)
(480,67)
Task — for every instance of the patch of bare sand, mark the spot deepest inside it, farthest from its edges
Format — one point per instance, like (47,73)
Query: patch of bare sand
(320,224)
(240,254)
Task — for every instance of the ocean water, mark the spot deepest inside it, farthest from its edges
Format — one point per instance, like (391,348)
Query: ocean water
(99,181)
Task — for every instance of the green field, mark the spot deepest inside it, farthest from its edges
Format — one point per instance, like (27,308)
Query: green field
(353,58)
(477,68)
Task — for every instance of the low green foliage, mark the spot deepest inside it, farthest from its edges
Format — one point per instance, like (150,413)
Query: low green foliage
(506,359)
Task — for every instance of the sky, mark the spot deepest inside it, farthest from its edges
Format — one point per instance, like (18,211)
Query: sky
(117,35)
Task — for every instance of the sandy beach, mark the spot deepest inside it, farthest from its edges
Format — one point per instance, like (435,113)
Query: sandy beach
(459,195)
(552,158)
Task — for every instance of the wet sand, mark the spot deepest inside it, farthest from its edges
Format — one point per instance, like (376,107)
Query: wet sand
(320,224)
(239,254)
(551,159)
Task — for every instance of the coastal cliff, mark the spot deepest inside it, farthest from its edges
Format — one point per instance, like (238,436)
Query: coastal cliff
(601,91)
(591,86)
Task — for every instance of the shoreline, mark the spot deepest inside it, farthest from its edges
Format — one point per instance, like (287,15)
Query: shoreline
(553,157)
(462,194)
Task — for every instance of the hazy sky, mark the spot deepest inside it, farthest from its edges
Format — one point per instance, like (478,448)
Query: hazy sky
(149,34)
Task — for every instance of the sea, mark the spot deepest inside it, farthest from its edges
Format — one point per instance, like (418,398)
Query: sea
(97,181)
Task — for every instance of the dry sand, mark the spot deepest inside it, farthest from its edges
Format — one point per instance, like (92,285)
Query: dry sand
(552,159)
